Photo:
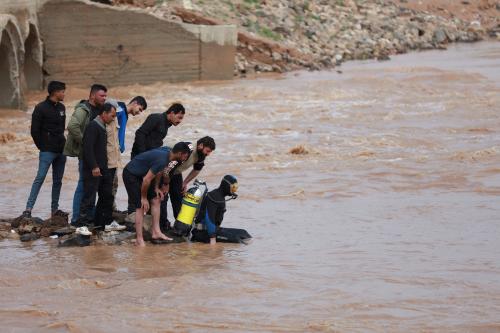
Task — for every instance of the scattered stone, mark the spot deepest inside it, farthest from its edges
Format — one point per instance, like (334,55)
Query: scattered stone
(299,150)
(63,231)
(29,237)
(116,237)
(75,240)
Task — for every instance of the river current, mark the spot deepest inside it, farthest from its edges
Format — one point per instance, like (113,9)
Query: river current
(371,192)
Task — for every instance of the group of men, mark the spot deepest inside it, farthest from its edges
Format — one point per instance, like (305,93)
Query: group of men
(96,136)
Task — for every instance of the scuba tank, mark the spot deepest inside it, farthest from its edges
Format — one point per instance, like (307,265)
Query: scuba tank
(191,203)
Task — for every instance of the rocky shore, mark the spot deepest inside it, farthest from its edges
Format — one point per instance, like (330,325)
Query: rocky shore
(283,35)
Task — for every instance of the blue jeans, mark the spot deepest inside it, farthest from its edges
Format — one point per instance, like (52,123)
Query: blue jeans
(77,198)
(45,160)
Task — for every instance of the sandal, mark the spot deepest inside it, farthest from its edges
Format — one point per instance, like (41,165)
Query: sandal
(160,241)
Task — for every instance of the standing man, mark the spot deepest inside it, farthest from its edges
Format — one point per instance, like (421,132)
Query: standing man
(204,148)
(97,177)
(137,105)
(146,178)
(85,111)
(116,134)
(47,130)
(151,134)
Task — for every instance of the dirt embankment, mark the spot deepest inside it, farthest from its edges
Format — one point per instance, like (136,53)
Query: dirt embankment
(282,35)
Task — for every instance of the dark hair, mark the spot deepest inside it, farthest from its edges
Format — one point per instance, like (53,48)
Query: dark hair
(55,86)
(181,147)
(207,142)
(141,101)
(96,87)
(107,107)
(176,108)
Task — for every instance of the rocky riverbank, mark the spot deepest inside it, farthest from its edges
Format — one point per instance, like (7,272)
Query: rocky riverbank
(283,35)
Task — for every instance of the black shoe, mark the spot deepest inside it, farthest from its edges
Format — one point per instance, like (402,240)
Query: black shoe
(59,213)
(26,214)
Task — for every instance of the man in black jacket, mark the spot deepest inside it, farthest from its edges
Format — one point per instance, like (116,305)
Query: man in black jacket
(97,178)
(47,130)
(151,134)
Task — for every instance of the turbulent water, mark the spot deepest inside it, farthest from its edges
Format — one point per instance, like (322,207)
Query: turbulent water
(387,221)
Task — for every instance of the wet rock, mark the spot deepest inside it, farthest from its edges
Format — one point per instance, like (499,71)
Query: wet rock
(75,240)
(119,216)
(29,237)
(116,237)
(63,231)
(50,225)
(440,36)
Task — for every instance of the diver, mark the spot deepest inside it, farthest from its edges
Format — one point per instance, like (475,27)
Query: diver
(207,224)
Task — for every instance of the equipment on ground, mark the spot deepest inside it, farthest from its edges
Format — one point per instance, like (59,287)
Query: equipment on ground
(191,203)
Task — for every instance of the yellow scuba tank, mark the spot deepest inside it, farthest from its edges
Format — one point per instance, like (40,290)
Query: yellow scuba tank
(191,203)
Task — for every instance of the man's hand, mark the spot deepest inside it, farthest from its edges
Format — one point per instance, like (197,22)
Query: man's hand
(145,205)
(159,193)
(96,172)
(184,188)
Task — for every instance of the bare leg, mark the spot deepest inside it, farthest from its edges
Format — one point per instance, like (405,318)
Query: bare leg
(155,213)
(139,217)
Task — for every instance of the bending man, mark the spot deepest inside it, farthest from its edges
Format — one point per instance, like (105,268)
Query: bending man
(146,178)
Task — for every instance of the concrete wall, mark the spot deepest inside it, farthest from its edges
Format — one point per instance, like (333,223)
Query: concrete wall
(20,51)
(217,50)
(81,42)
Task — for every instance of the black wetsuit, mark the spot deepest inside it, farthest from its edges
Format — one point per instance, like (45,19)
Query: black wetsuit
(210,218)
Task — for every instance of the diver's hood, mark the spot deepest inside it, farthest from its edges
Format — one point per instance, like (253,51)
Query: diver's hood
(227,182)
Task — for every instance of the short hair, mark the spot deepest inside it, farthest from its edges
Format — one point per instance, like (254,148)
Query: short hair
(96,87)
(181,147)
(207,142)
(55,86)
(176,108)
(141,101)
(107,107)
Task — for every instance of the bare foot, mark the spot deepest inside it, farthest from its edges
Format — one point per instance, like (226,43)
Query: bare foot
(160,235)
(140,242)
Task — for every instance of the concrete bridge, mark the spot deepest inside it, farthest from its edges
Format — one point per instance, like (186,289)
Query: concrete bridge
(82,42)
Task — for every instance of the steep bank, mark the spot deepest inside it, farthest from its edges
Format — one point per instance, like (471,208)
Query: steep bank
(281,35)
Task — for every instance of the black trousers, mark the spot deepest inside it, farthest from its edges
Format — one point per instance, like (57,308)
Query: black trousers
(103,187)
(175,194)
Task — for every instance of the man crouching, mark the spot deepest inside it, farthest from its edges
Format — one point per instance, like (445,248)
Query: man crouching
(146,179)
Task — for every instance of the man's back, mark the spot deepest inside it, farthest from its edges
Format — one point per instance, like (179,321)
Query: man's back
(154,160)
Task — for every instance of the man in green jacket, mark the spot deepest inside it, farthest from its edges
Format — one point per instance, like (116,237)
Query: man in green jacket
(85,111)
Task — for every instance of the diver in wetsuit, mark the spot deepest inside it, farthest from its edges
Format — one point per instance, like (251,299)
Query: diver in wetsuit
(207,225)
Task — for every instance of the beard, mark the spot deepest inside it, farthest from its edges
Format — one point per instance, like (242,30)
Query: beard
(200,153)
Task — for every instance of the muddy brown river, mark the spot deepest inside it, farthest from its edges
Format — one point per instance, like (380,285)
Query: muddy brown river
(389,220)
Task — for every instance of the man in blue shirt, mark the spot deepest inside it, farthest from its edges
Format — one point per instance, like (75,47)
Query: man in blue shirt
(146,179)
(137,105)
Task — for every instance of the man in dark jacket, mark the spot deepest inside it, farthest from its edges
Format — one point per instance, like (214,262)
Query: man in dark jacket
(208,221)
(151,134)
(47,130)
(85,112)
(97,178)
